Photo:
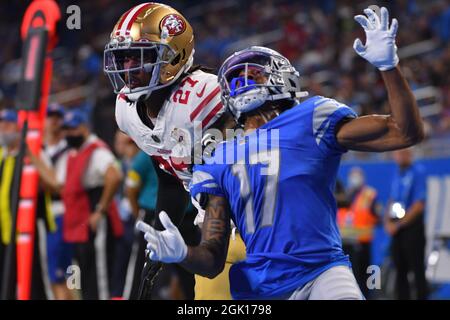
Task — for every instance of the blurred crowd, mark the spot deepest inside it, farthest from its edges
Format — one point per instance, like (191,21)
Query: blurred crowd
(361,211)
(90,197)
(317,36)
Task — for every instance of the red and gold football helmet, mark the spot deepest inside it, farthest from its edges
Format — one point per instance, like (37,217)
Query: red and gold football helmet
(156,35)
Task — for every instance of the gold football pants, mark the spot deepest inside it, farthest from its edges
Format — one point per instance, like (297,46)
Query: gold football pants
(219,287)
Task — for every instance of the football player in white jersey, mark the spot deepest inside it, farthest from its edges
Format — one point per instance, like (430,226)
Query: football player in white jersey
(162,98)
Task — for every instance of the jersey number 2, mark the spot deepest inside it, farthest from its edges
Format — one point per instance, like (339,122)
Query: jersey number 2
(272,171)
(181,96)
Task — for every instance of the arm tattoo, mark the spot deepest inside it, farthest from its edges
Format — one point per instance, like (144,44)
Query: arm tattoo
(208,258)
(216,217)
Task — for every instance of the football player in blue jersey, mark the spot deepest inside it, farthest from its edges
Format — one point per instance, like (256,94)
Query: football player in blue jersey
(276,182)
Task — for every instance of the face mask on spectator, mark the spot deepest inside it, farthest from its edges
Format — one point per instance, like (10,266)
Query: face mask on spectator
(75,141)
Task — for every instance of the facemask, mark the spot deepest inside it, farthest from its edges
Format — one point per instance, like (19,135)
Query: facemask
(75,141)
(8,138)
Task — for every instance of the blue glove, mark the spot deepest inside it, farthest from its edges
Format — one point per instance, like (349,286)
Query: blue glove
(380,49)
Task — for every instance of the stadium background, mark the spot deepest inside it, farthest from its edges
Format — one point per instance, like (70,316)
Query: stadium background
(316,36)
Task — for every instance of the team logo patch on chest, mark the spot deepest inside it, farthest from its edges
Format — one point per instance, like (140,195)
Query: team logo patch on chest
(174,24)
(180,135)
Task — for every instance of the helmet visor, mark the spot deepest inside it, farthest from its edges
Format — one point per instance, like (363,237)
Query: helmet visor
(245,72)
(123,64)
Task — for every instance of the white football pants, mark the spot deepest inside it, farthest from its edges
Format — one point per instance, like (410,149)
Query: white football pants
(337,283)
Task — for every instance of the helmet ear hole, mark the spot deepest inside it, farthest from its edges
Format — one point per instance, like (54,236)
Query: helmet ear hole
(292,83)
(176,60)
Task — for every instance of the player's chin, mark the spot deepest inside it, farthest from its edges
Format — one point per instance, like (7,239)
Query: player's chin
(134,84)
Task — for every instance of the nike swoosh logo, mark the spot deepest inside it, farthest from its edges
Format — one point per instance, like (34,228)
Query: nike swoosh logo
(200,94)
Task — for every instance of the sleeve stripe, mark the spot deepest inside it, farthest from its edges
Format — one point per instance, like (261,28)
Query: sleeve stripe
(201,177)
(214,191)
(324,110)
(210,185)
(321,113)
(202,104)
(211,115)
(321,131)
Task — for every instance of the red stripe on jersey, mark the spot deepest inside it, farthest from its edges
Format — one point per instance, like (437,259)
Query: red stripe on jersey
(122,96)
(178,166)
(204,103)
(211,115)
(166,165)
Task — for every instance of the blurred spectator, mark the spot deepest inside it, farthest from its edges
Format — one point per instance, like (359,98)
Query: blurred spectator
(50,205)
(141,191)
(357,223)
(125,150)
(317,36)
(341,195)
(404,221)
(92,179)
(124,273)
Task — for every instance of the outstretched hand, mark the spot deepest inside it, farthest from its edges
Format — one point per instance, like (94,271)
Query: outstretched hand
(166,246)
(380,49)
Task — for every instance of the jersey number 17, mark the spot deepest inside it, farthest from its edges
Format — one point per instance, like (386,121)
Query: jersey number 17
(271,161)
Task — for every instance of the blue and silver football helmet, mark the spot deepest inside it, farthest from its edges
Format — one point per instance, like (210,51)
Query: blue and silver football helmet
(255,75)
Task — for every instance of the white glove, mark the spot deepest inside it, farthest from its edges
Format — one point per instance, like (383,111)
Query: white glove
(166,246)
(380,49)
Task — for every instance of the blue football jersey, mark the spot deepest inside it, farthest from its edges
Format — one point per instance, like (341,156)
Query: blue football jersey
(279,181)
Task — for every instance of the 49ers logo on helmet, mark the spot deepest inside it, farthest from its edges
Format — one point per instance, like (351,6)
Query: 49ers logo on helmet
(174,24)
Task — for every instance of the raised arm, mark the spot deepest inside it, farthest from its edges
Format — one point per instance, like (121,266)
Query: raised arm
(400,129)
(403,127)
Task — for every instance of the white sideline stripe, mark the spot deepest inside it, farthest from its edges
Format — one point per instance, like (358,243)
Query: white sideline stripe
(42,234)
(130,269)
(129,279)
(100,260)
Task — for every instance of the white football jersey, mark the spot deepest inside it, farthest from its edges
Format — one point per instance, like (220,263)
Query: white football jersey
(196,100)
